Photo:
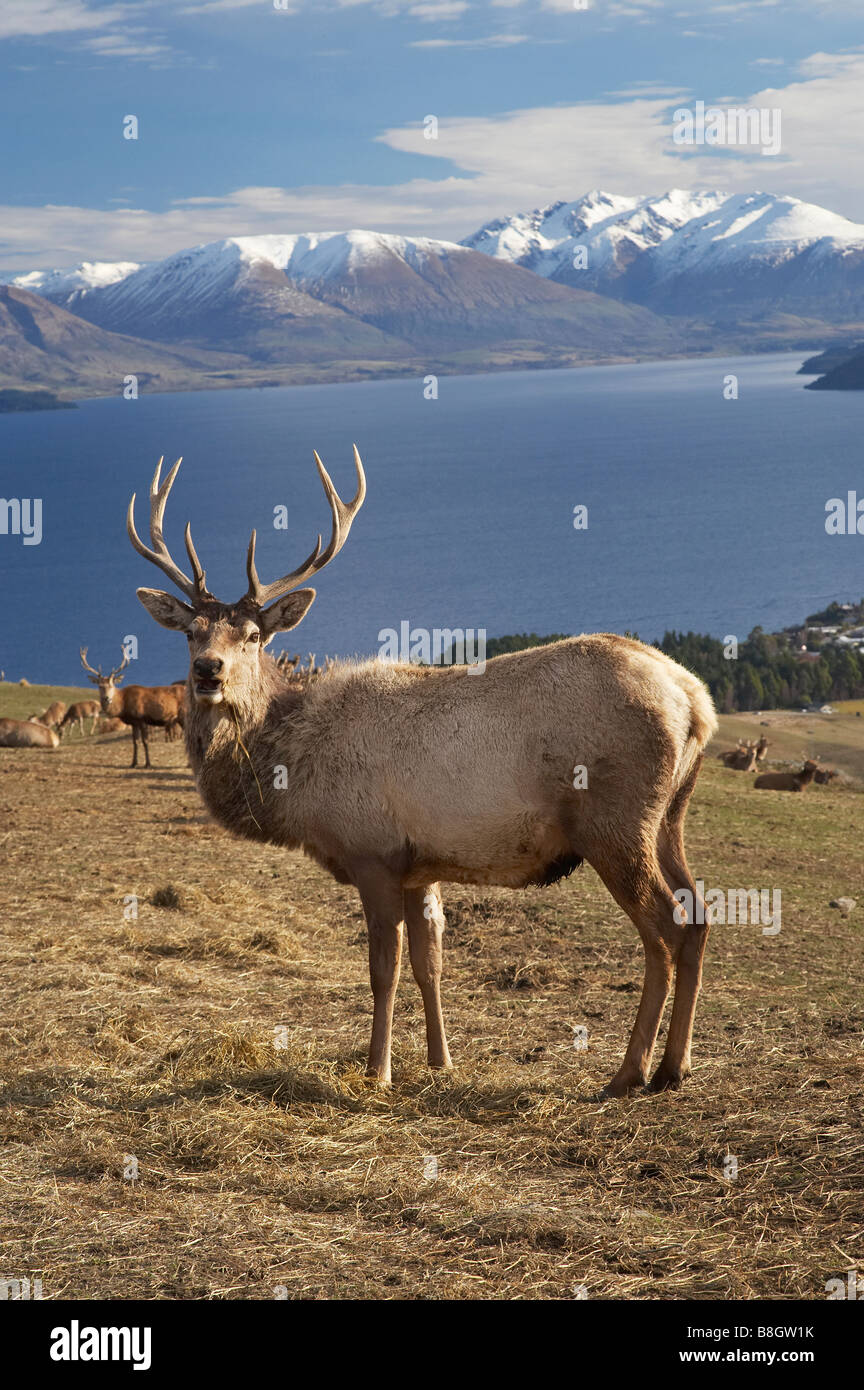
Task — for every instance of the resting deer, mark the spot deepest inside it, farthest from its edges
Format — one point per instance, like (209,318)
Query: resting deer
(26,733)
(761,749)
(742,759)
(394,777)
(788,781)
(825,774)
(139,706)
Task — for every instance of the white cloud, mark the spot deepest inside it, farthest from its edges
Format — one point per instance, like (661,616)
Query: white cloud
(35,18)
(125,44)
(506,163)
(436,10)
(493,41)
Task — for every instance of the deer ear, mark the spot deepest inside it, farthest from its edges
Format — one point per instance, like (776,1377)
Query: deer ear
(166,609)
(286,612)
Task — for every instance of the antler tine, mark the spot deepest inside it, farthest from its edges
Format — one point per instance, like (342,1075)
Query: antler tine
(263,593)
(194,561)
(160,555)
(343,514)
(122,667)
(86,664)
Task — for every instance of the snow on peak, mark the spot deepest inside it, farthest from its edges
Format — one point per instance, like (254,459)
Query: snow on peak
(89,275)
(680,225)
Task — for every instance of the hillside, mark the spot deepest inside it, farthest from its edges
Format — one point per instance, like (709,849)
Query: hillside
(846,375)
(318,297)
(43,345)
(264,1168)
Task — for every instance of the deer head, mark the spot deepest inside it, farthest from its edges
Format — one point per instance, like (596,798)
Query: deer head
(226,639)
(106,684)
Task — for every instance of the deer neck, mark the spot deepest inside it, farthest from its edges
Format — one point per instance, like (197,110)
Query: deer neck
(241,753)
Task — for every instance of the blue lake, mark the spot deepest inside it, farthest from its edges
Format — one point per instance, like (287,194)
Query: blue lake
(703,513)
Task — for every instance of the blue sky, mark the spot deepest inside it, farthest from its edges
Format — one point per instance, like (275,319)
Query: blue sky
(254,119)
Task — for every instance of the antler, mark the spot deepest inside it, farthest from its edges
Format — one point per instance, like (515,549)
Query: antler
(343,515)
(193,588)
(86,664)
(122,667)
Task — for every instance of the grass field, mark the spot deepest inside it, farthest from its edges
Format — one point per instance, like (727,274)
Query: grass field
(266,1162)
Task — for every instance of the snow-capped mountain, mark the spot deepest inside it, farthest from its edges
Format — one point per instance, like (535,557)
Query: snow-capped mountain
(348,295)
(67,286)
(694,253)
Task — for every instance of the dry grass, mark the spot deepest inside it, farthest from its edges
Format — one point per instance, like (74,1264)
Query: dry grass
(264,1157)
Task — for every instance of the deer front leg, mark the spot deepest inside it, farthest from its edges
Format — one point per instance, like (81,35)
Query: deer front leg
(424,918)
(146,746)
(381,895)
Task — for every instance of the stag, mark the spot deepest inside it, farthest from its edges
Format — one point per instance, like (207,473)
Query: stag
(139,706)
(788,781)
(395,777)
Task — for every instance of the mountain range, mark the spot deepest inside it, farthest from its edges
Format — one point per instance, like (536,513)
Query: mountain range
(701,254)
(607,277)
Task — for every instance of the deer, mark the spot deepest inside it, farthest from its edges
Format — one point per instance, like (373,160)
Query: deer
(761,749)
(53,714)
(396,777)
(788,781)
(139,706)
(77,713)
(109,724)
(825,774)
(741,759)
(26,733)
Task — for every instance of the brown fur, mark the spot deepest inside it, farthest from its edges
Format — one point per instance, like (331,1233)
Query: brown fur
(77,713)
(26,733)
(396,777)
(139,706)
(788,781)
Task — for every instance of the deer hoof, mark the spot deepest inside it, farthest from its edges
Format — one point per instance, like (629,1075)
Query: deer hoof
(665,1079)
(621,1086)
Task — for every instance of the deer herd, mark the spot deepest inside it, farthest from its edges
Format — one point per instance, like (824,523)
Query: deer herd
(396,777)
(749,754)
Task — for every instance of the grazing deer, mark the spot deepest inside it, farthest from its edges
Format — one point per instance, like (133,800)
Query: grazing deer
(788,781)
(139,706)
(394,776)
(26,733)
(53,714)
(77,713)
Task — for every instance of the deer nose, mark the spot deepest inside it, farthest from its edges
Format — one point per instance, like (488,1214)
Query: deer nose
(207,667)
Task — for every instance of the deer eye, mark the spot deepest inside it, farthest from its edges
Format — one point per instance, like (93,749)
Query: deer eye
(253,637)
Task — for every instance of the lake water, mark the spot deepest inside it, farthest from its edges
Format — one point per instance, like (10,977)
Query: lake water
(703,513)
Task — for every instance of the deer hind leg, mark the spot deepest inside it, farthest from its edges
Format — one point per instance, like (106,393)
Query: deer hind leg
(675,1063)
(381,895)
(424,918)
(146,746)
(134,745)
(641,890)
